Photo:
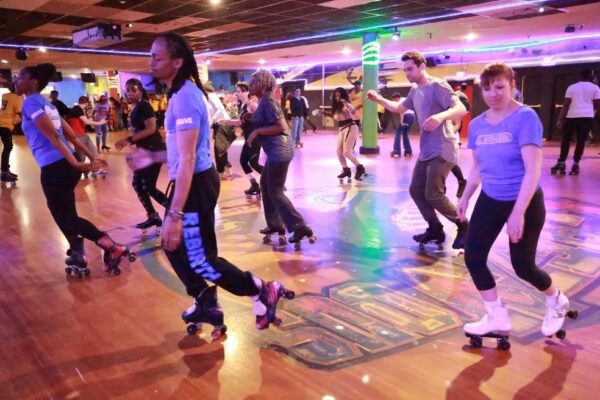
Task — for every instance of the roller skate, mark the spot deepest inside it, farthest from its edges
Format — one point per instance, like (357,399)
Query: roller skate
(574,169)
(153,220)
(432,234)
(461,235)
(407,154)
(360,172)
(495,324)
(345,174)
(560,168)
(557,309)
(205,309)
(300,233)
(7,179)
(113,253)
(269,295)
(462,184)
(105,148)
(393,154)
(299,145)
(10,173)
(76,263)
(268,232)
(253,190)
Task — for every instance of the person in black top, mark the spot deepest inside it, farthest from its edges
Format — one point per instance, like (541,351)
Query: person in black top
(63,110)
(145,135)
(299,110)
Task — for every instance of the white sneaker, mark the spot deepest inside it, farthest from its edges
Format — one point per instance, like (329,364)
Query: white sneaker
(497,320)
(556,311)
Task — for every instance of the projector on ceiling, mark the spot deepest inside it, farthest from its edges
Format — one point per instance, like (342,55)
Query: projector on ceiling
(98,35)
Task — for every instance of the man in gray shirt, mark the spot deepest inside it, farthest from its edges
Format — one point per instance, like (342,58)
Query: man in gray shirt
(436,106)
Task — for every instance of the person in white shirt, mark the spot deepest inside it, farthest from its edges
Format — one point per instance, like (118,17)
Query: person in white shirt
(582,99)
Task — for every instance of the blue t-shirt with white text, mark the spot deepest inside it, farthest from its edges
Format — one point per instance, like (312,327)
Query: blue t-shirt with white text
(498,150)
(187,110)
(43,151)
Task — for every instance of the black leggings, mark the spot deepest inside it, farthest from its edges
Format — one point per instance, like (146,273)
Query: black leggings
(197,258)
(144,183)
(7,144)
(489,216)
(580,127)
(59,180)
(249,158)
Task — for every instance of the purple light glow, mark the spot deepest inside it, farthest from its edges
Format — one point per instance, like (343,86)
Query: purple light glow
(76,50)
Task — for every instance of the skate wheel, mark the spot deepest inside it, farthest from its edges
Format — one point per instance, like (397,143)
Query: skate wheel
(117,271)
(561,334)
(297,246)
(86,272)
(267,240)
(289,294)
(573,314)
(68,270)
(312,240)
(192,329)
(421,246)
(282,240)
(131,257)
(476,342)
(79,274)
(503,344)
(277,321)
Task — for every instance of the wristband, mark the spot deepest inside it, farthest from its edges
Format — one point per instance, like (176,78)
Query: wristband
(175,215)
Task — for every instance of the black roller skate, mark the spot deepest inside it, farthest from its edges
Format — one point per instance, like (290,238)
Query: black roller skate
(560,168)
(407,154)
(346,173)
(268,232)
(113,253)
(360,172)
(574,169)
(393,154)
(461,235)
(153,220)
(205,309)
(269,295)
(432,234)
(106,148)
(8,179)
(300,233)
(253,190)
(76,263)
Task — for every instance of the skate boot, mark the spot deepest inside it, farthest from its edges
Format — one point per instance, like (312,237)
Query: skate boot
(393,154)
(346,173)
(461,235)
(574,169)
(360,172)
(268,232)
(253,190)
(105,147)
(560,168)
(557,309)
(407,154)
(10,173)
(7,179)
(113,253)
(462,184)
(300,233)
(434,233)
(269,295)
(205,309)
(494,324)
(153,220)
(76,263)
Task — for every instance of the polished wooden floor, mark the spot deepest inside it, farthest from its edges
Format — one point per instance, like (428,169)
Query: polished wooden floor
(374,318)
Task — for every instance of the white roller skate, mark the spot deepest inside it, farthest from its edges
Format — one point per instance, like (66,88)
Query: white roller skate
(557,309)
(494,324)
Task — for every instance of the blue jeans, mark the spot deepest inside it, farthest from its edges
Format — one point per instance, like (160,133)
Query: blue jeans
(101,132)
(403,129)
(297,128)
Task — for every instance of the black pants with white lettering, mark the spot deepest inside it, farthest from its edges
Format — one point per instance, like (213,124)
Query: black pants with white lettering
(197,260)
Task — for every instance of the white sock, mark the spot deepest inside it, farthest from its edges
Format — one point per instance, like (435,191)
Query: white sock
(490,306)
(551,299)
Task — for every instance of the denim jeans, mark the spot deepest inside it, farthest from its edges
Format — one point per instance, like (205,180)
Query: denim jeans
(279,210)
(402,130)
(297,128)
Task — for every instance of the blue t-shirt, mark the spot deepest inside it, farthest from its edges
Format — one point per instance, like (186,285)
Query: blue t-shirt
(44,152)
(498,150)
(278,148)
(187,110)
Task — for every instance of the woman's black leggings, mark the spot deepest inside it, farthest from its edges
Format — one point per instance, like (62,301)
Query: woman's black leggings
(144,183)
(197,259)
(489,216)
(249,158)
(59,180)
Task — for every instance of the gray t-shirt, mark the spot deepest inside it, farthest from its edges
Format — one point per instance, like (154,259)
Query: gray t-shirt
(426,101)
(279,148)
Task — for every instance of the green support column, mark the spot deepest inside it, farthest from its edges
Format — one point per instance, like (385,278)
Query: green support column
(370,63)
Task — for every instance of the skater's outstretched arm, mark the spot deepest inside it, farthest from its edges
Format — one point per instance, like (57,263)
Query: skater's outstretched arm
(390,105)
(473,183)
(71,137)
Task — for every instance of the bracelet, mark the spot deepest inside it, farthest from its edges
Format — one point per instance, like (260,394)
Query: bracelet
(175,215)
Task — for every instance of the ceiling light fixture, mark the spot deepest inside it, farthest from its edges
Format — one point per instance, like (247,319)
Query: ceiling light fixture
(215,2)
(4,61)
(42,49)
(346,51)
(422,20)
(396,34)
(207,61)
(471,36)
(129,25)
(262,61)
(541,10)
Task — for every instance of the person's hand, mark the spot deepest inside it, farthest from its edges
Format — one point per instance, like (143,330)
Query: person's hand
(122,143)
(99,163)
(82,166)
(170,236)
(251,138)
(432,123)
(461,209)
(515,225)
(139,158)
(372,95)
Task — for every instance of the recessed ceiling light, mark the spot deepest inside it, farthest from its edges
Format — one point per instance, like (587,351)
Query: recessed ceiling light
(541,9)
(207,61)
(215,2)
(4,61)
(471,36)
(346,51)
(129,25)
(261,61)
(42,49)
(73,76)
(396,34)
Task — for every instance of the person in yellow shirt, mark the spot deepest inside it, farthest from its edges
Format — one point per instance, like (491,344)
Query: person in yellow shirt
(356,99)
(10,114)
